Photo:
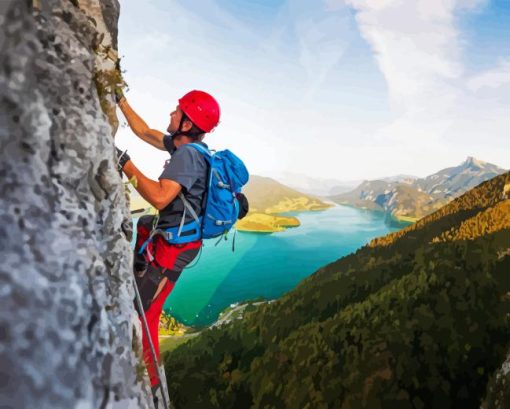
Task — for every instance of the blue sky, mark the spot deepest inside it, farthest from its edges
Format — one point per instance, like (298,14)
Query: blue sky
(487,34)
(343,89)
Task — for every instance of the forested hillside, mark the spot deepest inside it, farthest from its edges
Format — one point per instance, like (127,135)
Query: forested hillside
(417,319)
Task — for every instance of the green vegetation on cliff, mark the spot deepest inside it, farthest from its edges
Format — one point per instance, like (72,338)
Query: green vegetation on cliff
(407,322)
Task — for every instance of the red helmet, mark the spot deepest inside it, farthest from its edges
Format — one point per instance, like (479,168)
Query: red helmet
(201,108)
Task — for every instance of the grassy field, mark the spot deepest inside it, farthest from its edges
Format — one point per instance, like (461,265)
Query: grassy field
(169,343)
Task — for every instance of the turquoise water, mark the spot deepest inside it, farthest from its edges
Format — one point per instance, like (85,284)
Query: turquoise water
(268,265)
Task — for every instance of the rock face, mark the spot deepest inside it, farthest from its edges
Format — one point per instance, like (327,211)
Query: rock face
(66,311)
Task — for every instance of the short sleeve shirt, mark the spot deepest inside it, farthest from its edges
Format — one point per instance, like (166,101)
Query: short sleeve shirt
(188,167)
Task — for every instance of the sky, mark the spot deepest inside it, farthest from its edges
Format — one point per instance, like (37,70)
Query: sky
(332,89)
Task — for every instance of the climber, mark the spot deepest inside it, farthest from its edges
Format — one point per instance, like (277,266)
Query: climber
(158,263)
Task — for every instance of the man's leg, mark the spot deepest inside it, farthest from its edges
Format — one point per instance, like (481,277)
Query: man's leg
(152,315)
(174,258)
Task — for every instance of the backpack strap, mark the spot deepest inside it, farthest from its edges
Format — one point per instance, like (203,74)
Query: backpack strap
(204,151)
(187,205)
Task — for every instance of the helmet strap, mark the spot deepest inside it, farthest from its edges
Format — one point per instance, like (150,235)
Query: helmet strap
(194,132)
(179,130)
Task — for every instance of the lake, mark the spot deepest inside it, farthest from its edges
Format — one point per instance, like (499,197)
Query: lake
(268,265)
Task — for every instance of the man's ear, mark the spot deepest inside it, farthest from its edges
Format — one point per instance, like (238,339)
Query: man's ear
(187,125)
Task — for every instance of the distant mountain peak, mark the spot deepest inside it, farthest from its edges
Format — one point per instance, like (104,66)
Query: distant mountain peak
(471,161)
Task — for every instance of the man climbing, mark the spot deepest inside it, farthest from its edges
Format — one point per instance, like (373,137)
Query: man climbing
(179,195)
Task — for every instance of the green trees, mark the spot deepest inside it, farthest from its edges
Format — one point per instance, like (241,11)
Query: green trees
(491,220)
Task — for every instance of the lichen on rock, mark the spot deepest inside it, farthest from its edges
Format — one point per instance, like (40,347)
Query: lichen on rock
(66,316)
(103,15)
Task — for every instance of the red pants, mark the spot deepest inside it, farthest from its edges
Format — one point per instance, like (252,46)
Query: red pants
(165,260)
(152,315)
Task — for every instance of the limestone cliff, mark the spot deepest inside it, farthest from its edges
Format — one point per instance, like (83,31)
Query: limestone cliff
(66,332)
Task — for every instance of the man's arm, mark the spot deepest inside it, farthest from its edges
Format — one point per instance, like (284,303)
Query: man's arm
(140,128)
(160,193)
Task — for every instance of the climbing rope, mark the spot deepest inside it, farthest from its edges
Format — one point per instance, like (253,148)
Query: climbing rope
(151,345)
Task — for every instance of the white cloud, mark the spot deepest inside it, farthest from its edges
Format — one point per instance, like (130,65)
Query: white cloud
(323,38)
(418,47)
(493,78)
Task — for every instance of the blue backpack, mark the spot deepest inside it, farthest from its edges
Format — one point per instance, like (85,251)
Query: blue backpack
(227,175)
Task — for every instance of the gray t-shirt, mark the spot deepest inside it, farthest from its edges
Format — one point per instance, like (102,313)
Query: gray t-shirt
(189,168)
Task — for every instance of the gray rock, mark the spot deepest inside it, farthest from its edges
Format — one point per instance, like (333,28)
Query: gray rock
(66,310)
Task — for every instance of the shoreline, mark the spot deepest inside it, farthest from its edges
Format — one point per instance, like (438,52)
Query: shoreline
(229,314)
(396,218)
(267,223)
(406,219)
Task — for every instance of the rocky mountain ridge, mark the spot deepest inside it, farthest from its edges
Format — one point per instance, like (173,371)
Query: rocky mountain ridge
(408,198)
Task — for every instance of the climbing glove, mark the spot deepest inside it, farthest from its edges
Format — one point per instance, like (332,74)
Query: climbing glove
(122,158)
(119,94)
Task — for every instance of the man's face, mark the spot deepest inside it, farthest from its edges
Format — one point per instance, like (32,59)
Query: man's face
(175,119)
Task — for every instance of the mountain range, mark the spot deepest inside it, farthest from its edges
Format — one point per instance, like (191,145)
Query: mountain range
(414,319)
(409,198)
(326,187)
